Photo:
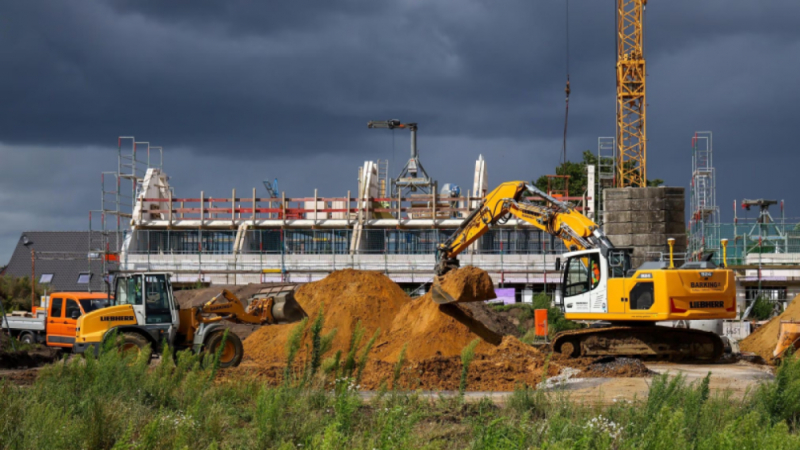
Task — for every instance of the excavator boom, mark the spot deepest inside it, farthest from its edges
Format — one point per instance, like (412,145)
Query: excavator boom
(551,216)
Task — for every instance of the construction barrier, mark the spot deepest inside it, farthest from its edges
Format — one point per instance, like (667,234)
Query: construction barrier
(540,322)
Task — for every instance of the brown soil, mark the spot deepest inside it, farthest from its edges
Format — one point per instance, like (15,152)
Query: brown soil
(347,297)
(34,356)
(763,340)
(435,334)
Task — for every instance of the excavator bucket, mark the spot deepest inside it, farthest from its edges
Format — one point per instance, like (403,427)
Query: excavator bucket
(439,295)
(472,285)
(788,337)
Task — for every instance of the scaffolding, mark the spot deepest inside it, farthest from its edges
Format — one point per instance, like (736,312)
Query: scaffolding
(704,210)
(118,193)
(606,169)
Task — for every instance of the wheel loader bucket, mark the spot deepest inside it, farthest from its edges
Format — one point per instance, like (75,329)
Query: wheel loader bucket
(276,304)
(287,309)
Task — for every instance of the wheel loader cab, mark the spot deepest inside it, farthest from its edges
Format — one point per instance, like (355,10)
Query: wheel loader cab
(142,310)
(150,296)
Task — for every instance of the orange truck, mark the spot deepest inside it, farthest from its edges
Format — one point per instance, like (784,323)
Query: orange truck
(54,322)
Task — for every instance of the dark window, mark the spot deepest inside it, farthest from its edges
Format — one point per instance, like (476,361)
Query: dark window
(157,304)
(619,263)
(582,274)
(93,304)
(72,307)
(55,311)
(642,296)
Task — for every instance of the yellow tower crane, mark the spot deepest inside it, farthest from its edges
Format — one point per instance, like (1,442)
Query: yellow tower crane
(631,100)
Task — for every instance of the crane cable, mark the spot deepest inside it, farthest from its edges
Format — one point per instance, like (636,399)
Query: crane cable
(567,90)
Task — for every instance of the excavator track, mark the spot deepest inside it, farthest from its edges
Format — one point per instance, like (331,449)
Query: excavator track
(640,341)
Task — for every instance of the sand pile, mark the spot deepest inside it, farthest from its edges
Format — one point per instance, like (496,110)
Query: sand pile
(763,341)
(347,296)
(435,334)
(441,330)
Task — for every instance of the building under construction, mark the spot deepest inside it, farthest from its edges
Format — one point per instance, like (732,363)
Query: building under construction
(387,225)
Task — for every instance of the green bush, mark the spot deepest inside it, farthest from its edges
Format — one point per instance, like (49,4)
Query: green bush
(15,293)
(762,309)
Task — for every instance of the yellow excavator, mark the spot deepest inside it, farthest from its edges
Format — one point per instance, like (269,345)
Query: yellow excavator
(599,285)
(144,315)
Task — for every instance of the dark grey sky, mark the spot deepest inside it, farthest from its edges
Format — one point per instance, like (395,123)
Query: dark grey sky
(238,91)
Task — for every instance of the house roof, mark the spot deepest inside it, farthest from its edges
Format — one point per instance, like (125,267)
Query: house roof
(63,254)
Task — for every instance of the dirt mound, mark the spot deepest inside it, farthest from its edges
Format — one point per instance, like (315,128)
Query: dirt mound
(31,356)
(432,330)
(434,335)
(499,368)
(348,296)
(763,340)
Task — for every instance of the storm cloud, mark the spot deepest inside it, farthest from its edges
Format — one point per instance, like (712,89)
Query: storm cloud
(240,91)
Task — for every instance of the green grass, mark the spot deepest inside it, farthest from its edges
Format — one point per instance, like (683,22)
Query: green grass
(124,403)
(555,317)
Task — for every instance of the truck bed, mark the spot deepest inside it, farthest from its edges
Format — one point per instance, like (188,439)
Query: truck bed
(36,323)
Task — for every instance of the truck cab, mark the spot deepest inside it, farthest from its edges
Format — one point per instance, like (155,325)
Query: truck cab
(64,310)
(54,323)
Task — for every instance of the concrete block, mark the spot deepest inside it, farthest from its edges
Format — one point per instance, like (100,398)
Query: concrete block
(621,240)
(674,191)
(675,204)
(619,228)
(617,193)
(618,205)
(640,193)
(658,216)
(642,240)
(617,216)
(645,204)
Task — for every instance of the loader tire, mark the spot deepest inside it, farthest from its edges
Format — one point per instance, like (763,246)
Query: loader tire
(232,352)
(135,343)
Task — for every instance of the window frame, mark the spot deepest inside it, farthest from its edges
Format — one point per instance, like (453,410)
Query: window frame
(60,301)
(67,309)
(81,275)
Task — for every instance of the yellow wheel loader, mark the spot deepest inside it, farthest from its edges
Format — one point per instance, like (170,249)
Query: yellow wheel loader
(144,315)
(598,283)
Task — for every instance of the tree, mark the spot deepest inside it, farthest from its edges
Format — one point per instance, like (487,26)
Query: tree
(578,176)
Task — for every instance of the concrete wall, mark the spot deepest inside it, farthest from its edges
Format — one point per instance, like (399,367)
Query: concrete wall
(644,218)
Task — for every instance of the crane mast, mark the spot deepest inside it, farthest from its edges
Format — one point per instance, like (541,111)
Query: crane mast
(631,101)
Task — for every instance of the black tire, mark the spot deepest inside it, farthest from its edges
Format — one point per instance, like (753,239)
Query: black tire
(27,338)
(232,353)
(130,342)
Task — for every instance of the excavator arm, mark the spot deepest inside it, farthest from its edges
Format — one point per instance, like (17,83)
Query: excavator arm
(555,217)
